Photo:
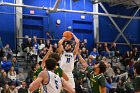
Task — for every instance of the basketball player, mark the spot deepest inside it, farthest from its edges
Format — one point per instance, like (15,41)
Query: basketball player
(95,75)
(51,83)
(56,56)
(67,58)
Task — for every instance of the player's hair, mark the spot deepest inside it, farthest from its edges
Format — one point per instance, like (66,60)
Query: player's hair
(137,67)
(102,67)
(55,56)
(51,63)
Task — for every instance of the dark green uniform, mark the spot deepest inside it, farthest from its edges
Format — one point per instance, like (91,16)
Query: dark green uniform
(36,73)
(137,84)
(58,71)
(96,81)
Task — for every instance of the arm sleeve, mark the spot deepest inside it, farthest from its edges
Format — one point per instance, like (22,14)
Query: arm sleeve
(109,86)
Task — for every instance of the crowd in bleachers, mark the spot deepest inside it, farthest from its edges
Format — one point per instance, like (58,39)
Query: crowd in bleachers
(119,73)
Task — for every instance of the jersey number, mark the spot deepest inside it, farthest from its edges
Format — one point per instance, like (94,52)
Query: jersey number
(68,60)
(56,84)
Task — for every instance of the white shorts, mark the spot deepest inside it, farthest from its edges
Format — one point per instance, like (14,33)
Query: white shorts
(71,79)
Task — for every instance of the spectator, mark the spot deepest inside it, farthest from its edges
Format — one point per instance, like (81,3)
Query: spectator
(20,76)
(113,49)
(23,88)
(131,54)
(90,62)
(41,45)
(106,51)
(118,54)
(30,75)
(82,45)
(85,42)
(15,64)
(13,88)
(137,77)
(12,75)
(117,69)
(84,53)
(5,64)
(104,59)
(130,68)
(5,89)
(120,87)
(7,51)
(129,86)
(94,53)
(47,45)
(28,45)
(109,72)
(55,48)
(34,50)
(4,80)
(126,58)
(1,71)
(100,49)
(135,53)
(42,54)
(35,45)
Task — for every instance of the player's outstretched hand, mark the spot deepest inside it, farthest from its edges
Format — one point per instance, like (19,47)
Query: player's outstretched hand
(63,38)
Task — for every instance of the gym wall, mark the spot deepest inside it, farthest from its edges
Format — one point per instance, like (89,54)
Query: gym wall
(7,24)
(108,31)
(83,28)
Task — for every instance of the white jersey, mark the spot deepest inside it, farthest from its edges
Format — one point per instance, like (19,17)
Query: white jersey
(54,85)
(67,61)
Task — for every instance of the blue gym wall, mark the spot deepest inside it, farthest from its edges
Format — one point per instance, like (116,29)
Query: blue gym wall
(108,32)
(41,22)
(82,28)
(7,24)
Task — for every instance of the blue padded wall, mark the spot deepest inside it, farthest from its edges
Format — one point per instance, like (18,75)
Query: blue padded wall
(83,28)
(7,24)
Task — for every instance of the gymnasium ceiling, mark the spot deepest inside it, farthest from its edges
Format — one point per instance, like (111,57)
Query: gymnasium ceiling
(127,3)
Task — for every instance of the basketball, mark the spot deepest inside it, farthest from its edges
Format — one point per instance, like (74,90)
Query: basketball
(68,35)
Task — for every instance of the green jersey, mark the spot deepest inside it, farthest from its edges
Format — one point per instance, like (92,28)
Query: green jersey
(58,71)
(36,73)
(96,81)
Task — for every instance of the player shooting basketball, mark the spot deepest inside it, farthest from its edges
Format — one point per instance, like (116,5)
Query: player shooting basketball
(67,57)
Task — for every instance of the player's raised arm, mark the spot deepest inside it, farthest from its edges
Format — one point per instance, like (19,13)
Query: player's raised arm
(46,57)
(83,62)
(67,86)
(65,76)
(36,84)
(60,46)
(76,48)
